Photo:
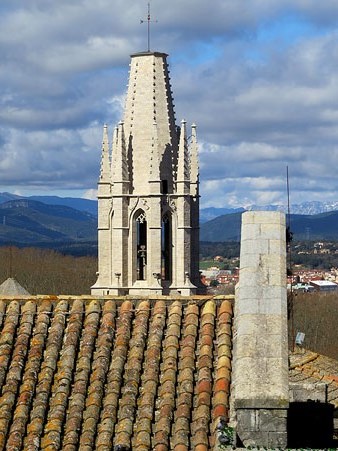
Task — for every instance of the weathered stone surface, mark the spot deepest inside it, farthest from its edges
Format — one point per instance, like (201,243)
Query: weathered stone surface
(303,392)
(260,377)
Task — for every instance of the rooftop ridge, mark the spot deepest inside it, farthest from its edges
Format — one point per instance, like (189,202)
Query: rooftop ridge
(153,297)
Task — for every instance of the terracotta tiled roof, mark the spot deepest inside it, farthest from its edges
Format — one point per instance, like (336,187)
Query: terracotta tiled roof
(307,366)
(83,373)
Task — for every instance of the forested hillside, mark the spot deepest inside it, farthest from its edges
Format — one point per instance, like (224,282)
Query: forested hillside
(26,222)
(316,315)
(43,271)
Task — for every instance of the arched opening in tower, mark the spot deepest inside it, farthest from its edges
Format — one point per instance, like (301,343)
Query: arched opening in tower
(141,246)
(166,255)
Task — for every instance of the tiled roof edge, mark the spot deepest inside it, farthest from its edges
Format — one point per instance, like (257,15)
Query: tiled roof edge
(307,359)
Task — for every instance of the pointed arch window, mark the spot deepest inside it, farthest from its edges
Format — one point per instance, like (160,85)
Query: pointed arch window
(141,245)
(166,247)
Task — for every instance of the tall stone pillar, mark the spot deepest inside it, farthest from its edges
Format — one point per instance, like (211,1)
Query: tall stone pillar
(260,374)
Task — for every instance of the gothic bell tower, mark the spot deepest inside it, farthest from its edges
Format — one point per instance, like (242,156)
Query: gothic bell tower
(148,192)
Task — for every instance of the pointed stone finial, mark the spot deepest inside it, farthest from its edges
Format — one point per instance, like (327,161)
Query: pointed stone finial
(121,147)
(114,149)
(194,166)
(183,156)
(105,157)
(115,137)
(121,173)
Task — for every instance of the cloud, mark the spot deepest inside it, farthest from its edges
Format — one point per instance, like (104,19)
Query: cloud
(52,158)
(90,194)
(259,78)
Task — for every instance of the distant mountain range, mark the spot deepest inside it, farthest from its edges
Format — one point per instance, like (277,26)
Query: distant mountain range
(87,205)
(305,208)
(29,222)
(323,226)
(206,214)
(209,213)
(70,222)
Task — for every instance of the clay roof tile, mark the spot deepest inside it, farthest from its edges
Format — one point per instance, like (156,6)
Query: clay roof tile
(226,307)
(209,308)
(102,373)
(100,366)
(7,338)
(2,312)
(45,378)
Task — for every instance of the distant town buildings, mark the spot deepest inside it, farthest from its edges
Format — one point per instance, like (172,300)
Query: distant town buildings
(304,280)
(324,285)
(226,277)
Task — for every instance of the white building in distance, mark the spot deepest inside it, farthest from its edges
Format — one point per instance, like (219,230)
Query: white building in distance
(148,192)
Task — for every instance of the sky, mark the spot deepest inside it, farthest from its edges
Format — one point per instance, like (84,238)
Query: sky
(258,77)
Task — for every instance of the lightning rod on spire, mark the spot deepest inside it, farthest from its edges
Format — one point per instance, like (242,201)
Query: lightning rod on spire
(148,20)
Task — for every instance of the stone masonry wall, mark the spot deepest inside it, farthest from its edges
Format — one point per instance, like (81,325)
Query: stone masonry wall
(260,378)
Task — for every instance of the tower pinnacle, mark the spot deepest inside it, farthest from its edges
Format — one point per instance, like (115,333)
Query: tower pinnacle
(105,163)
(120,177)
(183,162)
(194,168)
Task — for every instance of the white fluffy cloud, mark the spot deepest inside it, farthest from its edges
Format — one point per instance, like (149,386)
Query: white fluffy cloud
(259,78)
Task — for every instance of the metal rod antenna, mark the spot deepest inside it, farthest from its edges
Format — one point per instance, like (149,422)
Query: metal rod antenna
(289,265)
(148,20)
(288,224)
(288,193)
(10,262)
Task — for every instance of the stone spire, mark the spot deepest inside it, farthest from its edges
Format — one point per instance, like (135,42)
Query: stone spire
(105,158)
(183,178)
(194,167)
(149,99)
